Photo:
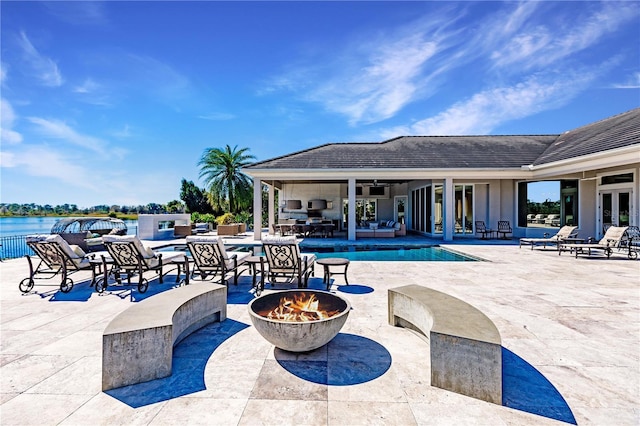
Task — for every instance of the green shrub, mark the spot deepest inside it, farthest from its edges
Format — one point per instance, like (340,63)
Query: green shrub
(244,217)
(226,219)
(202,218)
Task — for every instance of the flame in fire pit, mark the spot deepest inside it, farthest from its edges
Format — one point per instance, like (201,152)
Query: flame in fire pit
(299,308)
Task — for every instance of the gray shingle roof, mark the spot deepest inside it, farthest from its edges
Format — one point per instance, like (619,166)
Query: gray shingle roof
(453,152)
(429,152)
(614,132)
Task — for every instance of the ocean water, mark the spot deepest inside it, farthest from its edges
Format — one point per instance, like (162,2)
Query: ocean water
(12,226)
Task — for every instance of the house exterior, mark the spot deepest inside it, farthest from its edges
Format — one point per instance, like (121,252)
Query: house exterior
(440,186)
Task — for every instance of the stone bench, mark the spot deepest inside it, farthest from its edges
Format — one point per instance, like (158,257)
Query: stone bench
(465,345)
(137,345)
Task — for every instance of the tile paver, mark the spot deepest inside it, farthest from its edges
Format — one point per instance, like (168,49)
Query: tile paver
(575,322)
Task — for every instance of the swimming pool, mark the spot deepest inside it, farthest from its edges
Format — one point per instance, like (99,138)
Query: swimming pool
(393,254)
(372,253)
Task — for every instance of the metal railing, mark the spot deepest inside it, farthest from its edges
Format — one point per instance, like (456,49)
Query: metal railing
(14,246)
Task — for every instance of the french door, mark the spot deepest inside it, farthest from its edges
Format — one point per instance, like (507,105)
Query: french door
(615,206)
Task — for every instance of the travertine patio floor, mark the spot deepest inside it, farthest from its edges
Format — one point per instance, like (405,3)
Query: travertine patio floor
(570,331)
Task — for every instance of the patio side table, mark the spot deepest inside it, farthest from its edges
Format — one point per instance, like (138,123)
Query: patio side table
(333,261)
(256,266)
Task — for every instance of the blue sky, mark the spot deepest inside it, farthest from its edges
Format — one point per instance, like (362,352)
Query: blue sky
(115,102)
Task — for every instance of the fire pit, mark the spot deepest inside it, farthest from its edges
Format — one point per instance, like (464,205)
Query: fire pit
(299,320)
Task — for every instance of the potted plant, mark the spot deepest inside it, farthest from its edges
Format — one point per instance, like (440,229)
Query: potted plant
(226,224)
(243,218)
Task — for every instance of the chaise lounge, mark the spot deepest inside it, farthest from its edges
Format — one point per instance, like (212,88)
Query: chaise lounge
(57,257)
(564,233)
(612,240)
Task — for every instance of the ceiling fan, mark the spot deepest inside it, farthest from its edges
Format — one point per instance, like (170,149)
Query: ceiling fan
(376,184)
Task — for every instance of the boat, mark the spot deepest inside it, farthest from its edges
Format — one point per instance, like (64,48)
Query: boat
(94,225)
(86,232)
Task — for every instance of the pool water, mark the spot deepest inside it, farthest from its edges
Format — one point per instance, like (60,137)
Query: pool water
(403,254)
(373,253)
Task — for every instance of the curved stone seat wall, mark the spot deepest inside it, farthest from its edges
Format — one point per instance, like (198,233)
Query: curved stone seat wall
(465,345)
(137,345)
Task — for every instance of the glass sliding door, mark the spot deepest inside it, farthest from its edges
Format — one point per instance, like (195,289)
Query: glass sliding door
(366,211)
(438,209)
(568,203)
(420,209)
(400,204)
(463,199)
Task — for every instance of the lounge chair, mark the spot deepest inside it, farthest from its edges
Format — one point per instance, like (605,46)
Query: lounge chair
(539,218)
(482,229)
(504,228)
(57,257)
(128,256)
(284,260)
(612,239)
(564,232)
(632,242)
(211,258)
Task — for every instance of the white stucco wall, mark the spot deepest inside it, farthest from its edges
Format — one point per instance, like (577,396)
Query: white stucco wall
(148,225)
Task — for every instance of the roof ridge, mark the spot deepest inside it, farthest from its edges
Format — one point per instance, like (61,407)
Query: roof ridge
(476,136)
(603,119)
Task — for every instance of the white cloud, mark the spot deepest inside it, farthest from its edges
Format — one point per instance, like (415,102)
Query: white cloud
(383,86)
(123,133)
(3,72)
(45,68)
(486,110)
(534,44)
(633,82)
(43,161)
(7,117)
(217,116)
(78,12)
(157,77)
(59,130)
(372,79)
(93,93)
(88,86)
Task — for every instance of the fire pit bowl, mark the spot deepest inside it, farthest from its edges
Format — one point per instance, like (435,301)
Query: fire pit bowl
(299,320)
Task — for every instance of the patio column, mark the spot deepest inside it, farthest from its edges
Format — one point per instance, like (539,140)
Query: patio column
(448,220)
(257,209)
(351,217)
(271,209)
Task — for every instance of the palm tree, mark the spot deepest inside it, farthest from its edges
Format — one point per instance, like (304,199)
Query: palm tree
(221,171)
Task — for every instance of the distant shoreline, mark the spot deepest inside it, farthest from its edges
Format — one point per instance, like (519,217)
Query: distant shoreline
(118,216)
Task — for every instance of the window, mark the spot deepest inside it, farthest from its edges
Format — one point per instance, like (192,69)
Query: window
(548,204)
(366,211)
(613,179)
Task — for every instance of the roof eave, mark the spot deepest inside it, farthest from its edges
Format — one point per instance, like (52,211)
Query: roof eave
(379,173)
(601,160)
